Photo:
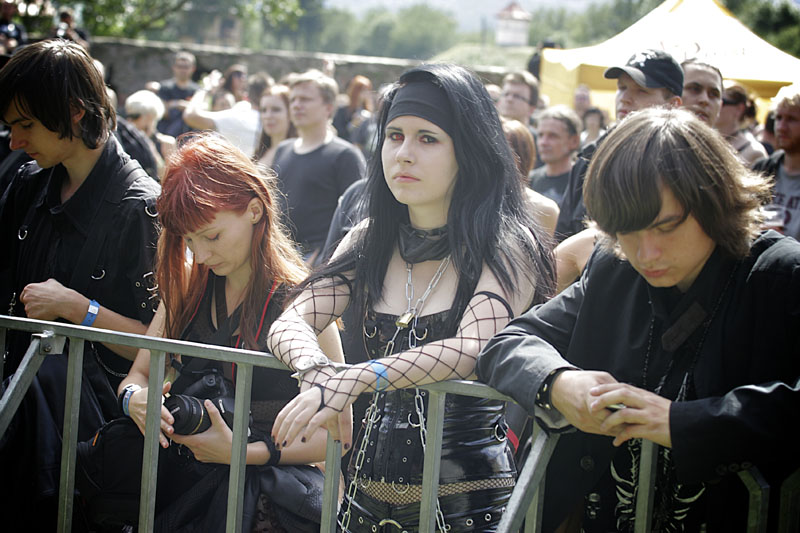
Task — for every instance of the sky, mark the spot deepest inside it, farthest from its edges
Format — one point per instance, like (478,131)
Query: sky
(470,14)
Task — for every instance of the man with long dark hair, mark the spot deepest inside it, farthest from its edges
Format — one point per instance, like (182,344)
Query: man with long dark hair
(78,232)
(682,330)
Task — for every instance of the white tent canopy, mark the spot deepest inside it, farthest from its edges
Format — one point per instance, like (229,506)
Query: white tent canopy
(702,29)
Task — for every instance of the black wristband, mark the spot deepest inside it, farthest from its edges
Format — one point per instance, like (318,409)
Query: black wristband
(274,453)
(543,397)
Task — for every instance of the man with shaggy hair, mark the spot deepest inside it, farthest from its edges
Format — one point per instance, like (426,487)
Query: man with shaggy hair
(682,330)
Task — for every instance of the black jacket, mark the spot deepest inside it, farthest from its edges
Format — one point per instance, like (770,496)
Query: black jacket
(745,384)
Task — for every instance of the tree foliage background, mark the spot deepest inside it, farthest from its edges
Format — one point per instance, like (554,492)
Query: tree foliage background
(417,31)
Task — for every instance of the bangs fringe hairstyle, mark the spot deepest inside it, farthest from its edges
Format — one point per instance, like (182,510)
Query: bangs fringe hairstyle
(488,221)
(661,147)
(50,81)
(206,175)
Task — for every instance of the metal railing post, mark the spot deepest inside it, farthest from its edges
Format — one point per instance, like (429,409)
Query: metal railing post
(152,428)
(646,489)
(431,464)
(72,404)
(244,386)
(41,345)
(758,510)
(789,520)
(528,494)
(330,499)
(3,351)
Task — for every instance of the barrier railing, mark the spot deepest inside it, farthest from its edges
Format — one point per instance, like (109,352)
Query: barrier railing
(526,499)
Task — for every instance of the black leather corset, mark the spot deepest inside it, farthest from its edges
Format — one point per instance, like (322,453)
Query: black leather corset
(474,442)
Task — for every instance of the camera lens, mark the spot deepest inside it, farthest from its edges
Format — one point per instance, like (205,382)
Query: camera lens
(189,413)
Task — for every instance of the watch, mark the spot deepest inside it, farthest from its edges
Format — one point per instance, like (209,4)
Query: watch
(309,362)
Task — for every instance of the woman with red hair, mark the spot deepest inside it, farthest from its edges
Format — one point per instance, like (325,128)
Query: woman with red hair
(359,107)
(224,268)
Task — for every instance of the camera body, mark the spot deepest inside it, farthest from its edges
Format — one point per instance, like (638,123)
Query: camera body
(190,414)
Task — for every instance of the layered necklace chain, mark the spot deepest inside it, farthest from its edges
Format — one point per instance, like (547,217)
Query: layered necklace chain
(696,356)
(409,318)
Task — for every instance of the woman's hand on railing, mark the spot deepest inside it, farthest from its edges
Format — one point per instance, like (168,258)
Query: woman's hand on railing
(311,409)
(137,408)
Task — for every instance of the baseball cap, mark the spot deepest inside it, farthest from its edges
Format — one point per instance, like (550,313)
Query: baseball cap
(651,69)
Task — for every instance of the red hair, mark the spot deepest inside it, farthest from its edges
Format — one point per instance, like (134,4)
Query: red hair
(206,175)
(356,86)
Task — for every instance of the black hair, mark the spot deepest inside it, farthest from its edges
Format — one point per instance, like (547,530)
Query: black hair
(50,81)
(488,221)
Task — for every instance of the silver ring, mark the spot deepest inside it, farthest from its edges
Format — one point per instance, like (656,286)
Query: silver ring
(147,210)
(499,437)
(101,276)
(374,331)
(22,233)
(412,424)
(400,491)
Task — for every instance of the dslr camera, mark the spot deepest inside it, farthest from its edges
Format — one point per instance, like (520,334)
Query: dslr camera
(191,416)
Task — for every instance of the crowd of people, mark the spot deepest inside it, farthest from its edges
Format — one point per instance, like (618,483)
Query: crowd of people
(620,280)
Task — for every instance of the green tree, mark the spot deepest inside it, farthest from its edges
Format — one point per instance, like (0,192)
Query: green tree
(776,23)
(132,18)
(375,28)
(420,32)
(339,31)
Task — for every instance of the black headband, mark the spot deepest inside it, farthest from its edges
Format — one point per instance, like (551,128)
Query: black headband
(425,100)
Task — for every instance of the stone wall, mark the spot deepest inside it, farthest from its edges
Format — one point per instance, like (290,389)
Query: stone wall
(131,63)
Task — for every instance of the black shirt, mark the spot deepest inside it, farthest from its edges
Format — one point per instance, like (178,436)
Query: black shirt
(172,123)
(55,234)
(312,184)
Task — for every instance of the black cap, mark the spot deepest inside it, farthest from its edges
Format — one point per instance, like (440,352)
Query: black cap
(652,69)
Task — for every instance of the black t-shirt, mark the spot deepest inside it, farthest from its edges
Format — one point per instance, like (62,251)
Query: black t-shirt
(551,186)
(312,184)
(172,123)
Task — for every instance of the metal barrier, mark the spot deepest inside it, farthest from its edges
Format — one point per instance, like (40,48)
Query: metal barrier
(526,499)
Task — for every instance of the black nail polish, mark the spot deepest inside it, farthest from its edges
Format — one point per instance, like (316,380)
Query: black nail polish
(284,443)
(346,445)
(303,439)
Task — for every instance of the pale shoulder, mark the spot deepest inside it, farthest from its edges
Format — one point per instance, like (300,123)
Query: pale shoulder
(545,210)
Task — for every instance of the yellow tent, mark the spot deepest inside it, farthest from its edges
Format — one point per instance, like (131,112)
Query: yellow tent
(702,29)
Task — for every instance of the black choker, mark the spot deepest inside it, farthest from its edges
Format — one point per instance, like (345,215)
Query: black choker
(416,245)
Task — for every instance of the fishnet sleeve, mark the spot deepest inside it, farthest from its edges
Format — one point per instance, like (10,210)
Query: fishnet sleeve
(295,332)
(451,358)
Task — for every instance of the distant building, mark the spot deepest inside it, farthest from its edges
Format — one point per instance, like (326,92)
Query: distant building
(513,23)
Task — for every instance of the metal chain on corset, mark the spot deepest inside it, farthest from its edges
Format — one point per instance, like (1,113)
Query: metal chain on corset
(419,406)
(362,451)
(369,417)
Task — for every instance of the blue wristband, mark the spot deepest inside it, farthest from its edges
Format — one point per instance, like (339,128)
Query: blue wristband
(380,374)
(91,313)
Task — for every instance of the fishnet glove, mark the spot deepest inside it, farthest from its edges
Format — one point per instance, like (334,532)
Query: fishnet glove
(451,358)
(294,333)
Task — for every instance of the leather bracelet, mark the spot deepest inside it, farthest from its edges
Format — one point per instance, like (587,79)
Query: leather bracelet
(274,452)
(91,313)
(543,396)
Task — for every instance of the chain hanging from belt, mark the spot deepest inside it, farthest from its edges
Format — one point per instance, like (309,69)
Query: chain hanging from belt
(409,318)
